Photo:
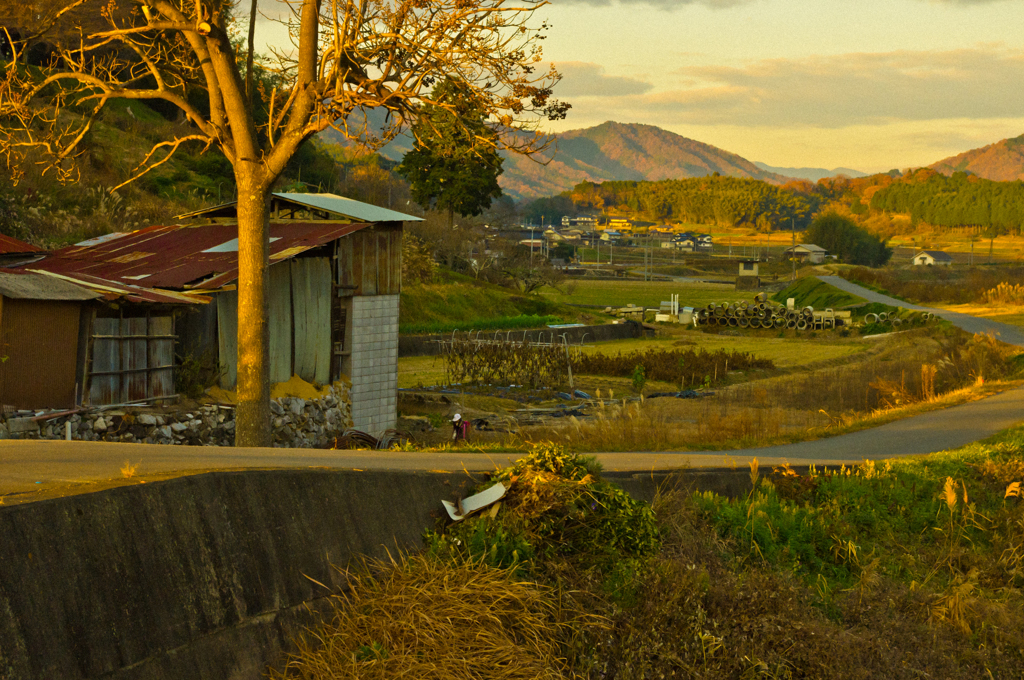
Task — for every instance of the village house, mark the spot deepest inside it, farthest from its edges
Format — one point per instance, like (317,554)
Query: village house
(333,297)
(806,252)
(691,242)
(932,257)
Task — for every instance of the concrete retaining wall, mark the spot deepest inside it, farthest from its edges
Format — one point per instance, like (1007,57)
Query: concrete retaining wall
(207,576)
(426,345)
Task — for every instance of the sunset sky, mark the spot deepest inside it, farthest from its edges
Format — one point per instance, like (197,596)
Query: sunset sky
(866,84)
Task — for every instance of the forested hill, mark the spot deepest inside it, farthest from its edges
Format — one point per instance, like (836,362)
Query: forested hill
(723,201)
(1002,161)
(959,200)
(618,151)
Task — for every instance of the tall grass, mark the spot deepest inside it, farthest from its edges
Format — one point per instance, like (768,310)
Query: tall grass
(914,374)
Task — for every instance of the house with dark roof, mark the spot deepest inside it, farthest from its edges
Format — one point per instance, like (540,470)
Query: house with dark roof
(928,258)
(806,252)
(333,296)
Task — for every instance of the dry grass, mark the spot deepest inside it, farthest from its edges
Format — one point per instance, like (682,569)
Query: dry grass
(128,470)
(424,619)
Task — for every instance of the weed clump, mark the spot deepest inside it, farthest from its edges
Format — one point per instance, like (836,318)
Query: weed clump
(426,619)
(556,507)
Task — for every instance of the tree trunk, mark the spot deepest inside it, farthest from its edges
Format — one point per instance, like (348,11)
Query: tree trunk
(252,419)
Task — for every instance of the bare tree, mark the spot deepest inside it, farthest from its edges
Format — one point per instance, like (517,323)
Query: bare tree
(347,55)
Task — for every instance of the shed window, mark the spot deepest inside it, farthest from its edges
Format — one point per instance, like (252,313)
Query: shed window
(132,359)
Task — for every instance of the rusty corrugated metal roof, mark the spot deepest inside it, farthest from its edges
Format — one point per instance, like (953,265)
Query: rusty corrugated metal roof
(203,257)
(9,244)
(20,285)
(112,290)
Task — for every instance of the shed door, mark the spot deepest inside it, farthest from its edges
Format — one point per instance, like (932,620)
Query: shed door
(132,359)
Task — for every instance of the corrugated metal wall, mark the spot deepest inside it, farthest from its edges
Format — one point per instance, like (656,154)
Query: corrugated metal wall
(39,340)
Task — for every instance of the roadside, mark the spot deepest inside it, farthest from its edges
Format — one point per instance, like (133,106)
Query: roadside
(38,469)
(1011,335)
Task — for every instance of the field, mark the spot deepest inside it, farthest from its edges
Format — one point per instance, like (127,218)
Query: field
(643,293)
(786,353)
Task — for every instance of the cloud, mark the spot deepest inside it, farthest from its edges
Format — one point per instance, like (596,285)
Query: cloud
(841,90)
(584,79)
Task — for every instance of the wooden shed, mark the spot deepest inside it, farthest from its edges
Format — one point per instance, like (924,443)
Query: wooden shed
(40,324)
(333,290)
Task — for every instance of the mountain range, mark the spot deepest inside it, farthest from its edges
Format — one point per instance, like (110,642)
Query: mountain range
(811,174)
(620,151)
(631,151)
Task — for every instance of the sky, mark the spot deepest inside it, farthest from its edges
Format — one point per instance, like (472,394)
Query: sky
(865,84)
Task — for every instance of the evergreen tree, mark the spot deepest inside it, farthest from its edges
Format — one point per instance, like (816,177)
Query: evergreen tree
(842,237)
(454,163)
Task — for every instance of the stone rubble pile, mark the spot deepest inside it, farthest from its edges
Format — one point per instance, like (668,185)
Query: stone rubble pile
(296,423)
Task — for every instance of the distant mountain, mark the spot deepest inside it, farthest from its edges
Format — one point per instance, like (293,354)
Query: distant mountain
(1001,162)
(619,151)
(811,174)
(610,151)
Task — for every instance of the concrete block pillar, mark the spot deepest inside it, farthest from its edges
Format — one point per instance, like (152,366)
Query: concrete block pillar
(374,364)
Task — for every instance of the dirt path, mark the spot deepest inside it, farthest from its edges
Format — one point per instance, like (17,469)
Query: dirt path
(1009,334)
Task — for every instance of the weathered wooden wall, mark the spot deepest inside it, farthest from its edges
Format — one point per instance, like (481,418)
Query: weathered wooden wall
(132,359)
(370,261)
(299,297)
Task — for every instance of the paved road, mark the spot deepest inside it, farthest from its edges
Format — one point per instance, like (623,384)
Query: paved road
(1009,334)
(57,467)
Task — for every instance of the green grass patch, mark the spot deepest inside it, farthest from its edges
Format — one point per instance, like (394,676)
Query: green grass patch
(499,323)
(811,291)
(619,293)
(949,510)
(458,301)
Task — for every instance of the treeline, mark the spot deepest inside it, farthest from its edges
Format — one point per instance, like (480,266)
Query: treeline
(956,201)
(718,200)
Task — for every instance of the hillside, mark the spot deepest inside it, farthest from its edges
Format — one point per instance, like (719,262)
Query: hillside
(617,151)
(610,151)
(1002,161)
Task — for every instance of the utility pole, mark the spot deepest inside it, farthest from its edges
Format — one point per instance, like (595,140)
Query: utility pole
(792,252)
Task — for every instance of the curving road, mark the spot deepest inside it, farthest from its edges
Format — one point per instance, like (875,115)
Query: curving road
(1011,335)
(36,469)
